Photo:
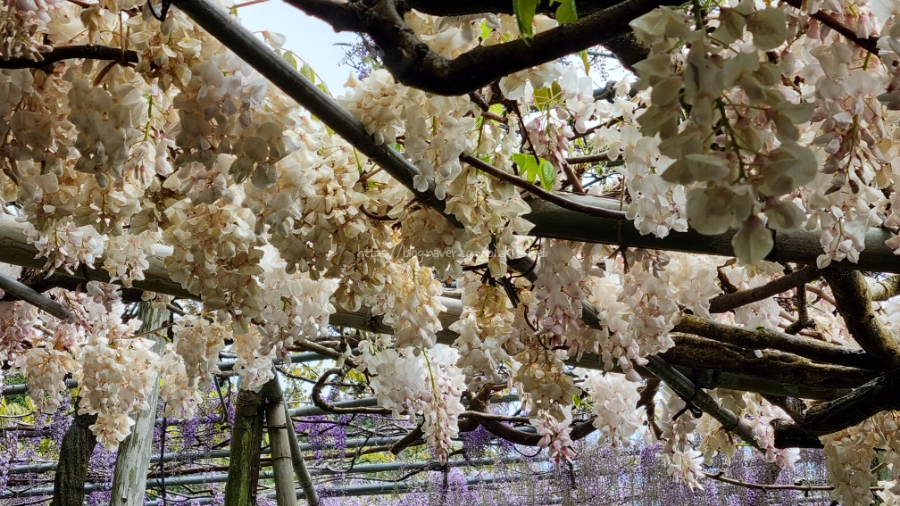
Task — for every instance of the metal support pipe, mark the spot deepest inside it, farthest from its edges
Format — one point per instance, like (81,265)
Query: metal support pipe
(29,295)
(223,477)
(692,394)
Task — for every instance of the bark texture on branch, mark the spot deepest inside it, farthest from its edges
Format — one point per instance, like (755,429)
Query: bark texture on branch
(877,395)
(886,288)
(74,459)
(851,294)
(691,351)
(413,63)
(627,50)
(467,7)
(761,339)
(246,440)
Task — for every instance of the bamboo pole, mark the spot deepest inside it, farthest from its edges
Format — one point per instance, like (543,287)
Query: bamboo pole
(277,423)
(299,464)
(246,441)
(133,459)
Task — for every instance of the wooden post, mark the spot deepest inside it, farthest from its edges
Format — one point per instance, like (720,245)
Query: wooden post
(246,441)
(277,427)
(74,456)
(130,478)
(272,390)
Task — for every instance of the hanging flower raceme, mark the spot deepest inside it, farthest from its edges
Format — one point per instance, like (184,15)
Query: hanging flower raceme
(116,379)
(614,401)
(409,304)
(425,383)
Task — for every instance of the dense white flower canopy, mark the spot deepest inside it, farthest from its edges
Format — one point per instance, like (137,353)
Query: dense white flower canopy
(482,212)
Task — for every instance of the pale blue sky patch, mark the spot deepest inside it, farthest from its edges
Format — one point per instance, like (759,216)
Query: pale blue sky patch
(311,39)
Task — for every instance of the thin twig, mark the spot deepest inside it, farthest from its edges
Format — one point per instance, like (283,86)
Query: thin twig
(596,157)
(375,216)
(573,179)
(540,192)
(868,43)
(821,293)
(246,4)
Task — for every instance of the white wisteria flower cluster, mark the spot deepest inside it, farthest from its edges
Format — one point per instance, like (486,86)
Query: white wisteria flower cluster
(757,120)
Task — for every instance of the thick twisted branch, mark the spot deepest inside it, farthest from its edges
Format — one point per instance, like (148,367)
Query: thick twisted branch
(760,339)
(851,295)
(785,368)
(579,431)
(413,63)
(324,405)
(877,395)
(886,288)
(468,7)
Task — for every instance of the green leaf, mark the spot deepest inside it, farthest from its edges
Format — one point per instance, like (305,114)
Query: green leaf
(528,166)
(288,56)
(308,73)
(542,97)
(485,30)
(566,12)
(556,90)
(546,97)
(585,61)
(547,174)
(535,169)
(525,11)
(496,109)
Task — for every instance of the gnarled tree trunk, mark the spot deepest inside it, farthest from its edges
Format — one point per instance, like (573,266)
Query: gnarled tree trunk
(246,441)
(74,457)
